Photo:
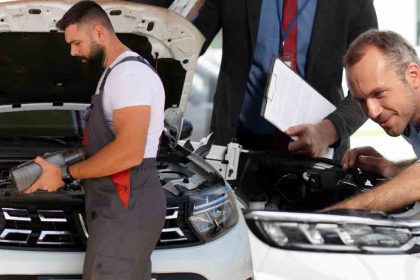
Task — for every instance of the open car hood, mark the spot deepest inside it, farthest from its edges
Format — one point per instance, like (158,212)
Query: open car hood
(37,69)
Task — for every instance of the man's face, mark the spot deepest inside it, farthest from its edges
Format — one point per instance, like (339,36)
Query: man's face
(82,43)
(384,96)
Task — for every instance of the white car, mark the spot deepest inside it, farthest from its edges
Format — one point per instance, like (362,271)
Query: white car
(43,92)
(291,239)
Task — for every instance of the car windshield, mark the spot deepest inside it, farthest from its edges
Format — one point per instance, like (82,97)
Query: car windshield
(48,123)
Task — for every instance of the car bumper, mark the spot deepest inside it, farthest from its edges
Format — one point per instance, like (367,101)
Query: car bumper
(228,257)
(276,264)
(40,263)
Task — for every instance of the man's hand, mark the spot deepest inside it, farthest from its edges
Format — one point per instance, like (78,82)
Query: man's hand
(50,179)
(313,140)
(392,195)
(369,159)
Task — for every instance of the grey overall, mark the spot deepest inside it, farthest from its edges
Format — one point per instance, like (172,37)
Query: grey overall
(125,212)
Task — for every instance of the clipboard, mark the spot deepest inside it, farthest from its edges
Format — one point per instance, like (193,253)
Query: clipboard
(289,100)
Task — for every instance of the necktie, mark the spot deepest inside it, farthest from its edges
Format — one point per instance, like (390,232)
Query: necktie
(281,140)
(290,8)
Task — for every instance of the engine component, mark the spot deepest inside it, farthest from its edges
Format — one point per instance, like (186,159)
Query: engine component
(25,175)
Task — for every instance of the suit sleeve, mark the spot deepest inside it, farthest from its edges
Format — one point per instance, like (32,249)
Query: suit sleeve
(209,21)
(349,116)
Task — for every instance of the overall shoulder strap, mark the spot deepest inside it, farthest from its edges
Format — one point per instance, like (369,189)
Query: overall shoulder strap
(125,59)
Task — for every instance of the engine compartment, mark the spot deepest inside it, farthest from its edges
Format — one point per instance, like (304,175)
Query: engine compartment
(265,181)
(179,172)
(269,181)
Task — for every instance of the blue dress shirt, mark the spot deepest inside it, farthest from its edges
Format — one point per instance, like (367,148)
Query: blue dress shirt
(267,47)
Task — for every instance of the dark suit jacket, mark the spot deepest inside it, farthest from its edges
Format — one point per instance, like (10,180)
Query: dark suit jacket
(336,24)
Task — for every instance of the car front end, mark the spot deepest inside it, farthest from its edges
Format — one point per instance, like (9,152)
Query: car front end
(292,236)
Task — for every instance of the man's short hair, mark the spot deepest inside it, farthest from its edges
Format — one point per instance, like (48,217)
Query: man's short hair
(398,52)
(85,12)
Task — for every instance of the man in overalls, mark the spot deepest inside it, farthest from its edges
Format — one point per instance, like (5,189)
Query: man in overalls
(125,204)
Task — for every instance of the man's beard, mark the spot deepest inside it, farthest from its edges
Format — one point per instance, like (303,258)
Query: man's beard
(96,56)
(92,64)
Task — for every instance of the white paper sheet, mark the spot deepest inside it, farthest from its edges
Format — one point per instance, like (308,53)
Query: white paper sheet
(290,101)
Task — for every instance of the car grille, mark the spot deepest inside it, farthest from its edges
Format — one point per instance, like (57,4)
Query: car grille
(41,228)
(65,229)
(176,231)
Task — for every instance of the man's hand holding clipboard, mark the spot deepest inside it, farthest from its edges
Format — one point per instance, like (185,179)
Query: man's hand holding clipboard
(297,109)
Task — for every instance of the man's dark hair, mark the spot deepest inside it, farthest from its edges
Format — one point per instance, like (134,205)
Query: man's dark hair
(85,12)
(398,52)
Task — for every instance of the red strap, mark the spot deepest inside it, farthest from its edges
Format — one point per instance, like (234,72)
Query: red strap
(85,136)
(121,181)
(290,8)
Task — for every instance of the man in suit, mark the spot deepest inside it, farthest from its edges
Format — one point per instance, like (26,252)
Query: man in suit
(254,31)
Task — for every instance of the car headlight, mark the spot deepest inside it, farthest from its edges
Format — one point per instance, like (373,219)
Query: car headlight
(321,232)
(214,212)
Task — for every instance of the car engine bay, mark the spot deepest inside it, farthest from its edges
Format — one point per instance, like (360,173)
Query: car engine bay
(268,181)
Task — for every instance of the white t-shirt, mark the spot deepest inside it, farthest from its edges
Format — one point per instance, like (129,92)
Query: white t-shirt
(133,83)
